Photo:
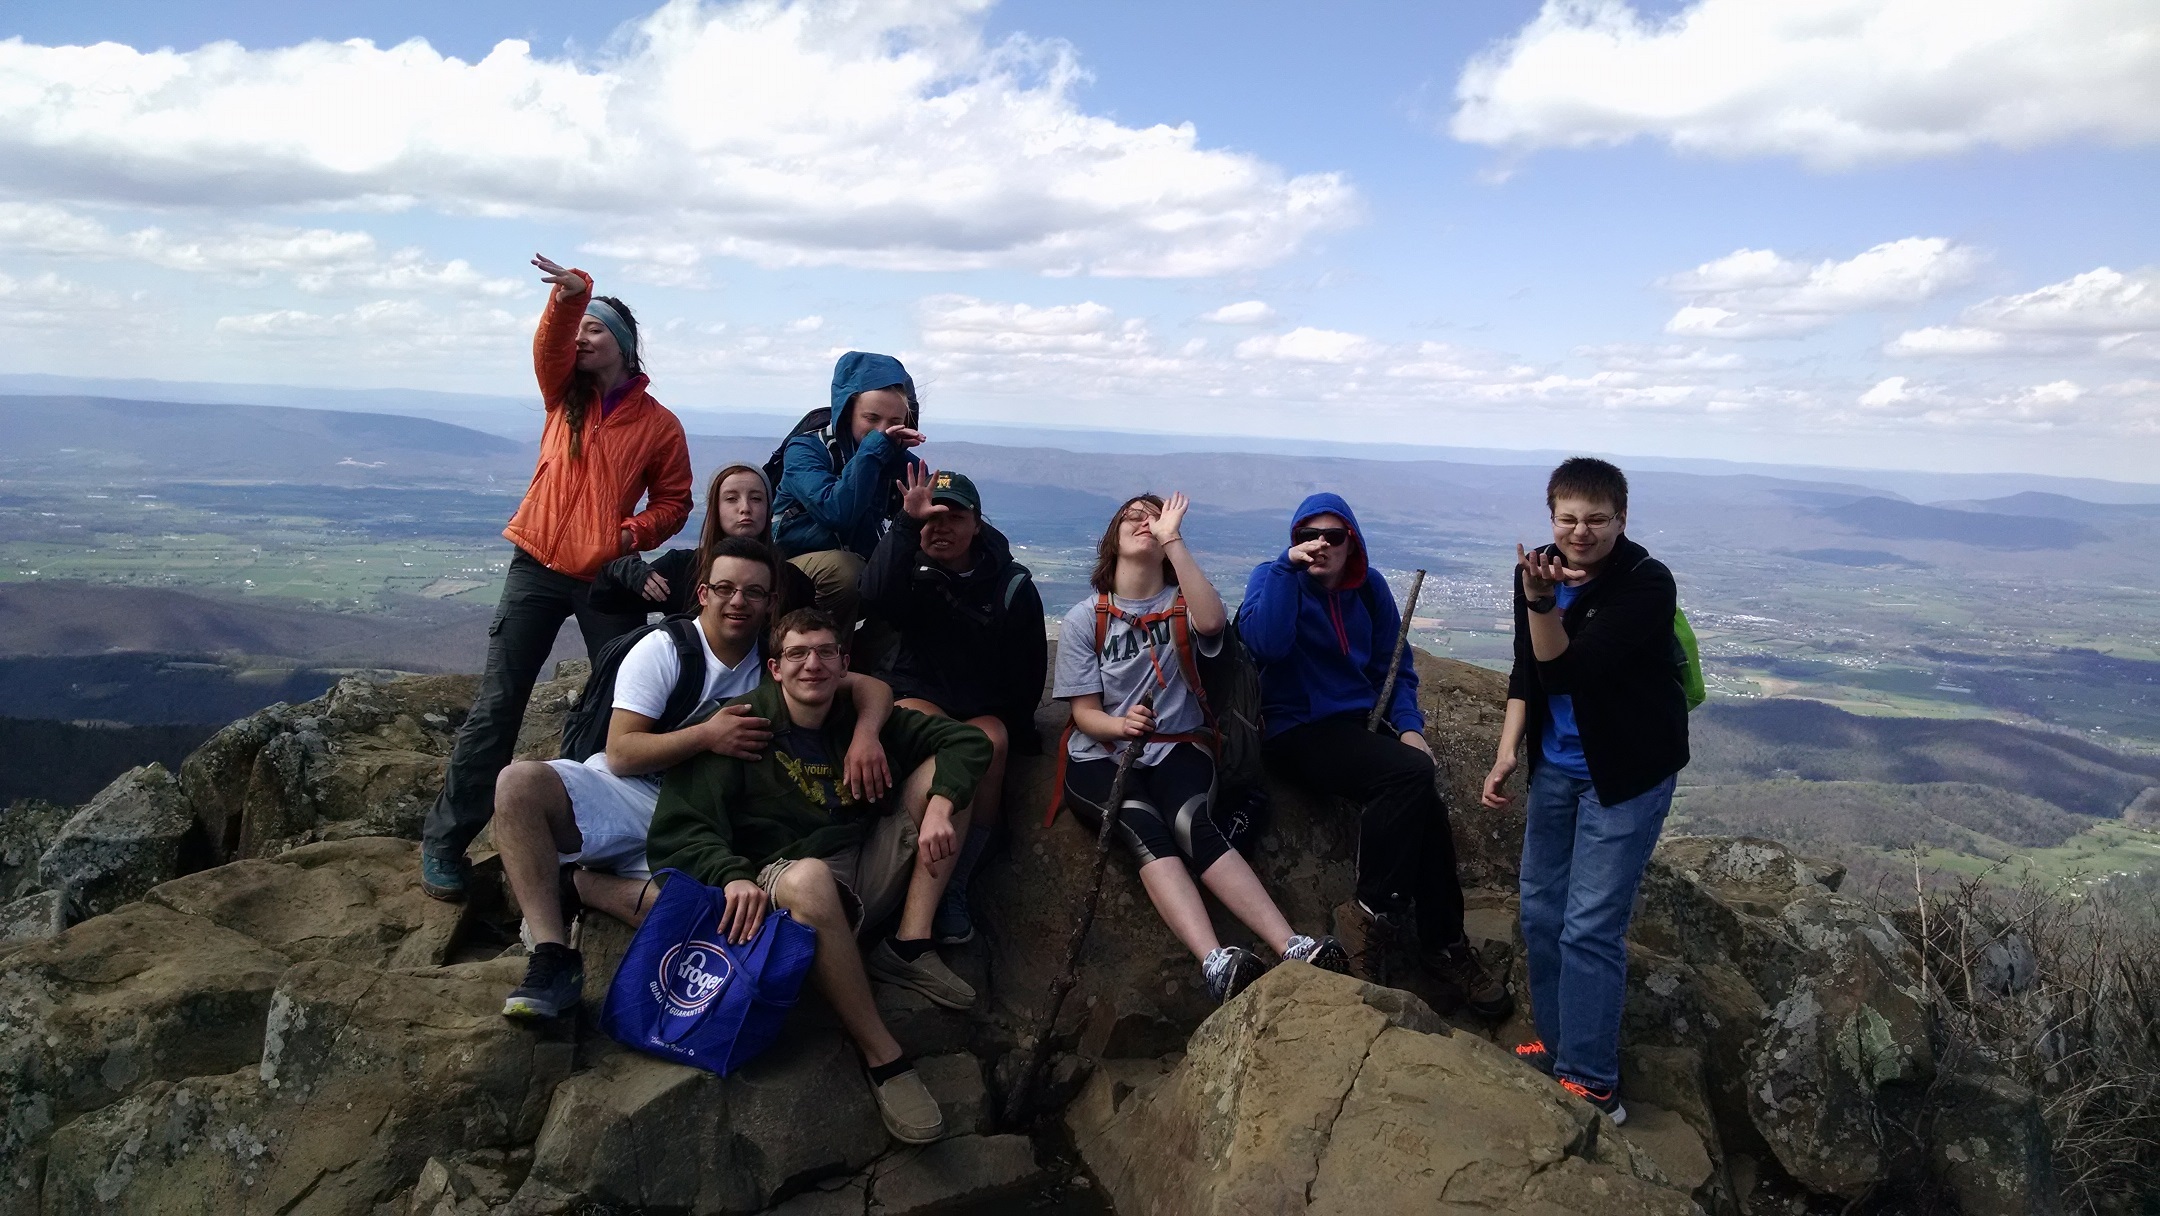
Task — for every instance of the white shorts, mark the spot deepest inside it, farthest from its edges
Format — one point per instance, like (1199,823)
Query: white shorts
(612,813)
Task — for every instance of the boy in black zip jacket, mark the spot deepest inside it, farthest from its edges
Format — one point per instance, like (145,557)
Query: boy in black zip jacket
(971,641)
(1596,693)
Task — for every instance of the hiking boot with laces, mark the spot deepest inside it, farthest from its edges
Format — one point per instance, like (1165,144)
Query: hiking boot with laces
(1373,941)
(1534,1054)
(443,877)
(1467,983)
(554,981)
(1607,1100)
(1323,952)
(928,975)
(1229,970)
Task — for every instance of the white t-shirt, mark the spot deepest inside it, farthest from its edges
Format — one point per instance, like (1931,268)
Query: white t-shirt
(648,674)
(1129,664)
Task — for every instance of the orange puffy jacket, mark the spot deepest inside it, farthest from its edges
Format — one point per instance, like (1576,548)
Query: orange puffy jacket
(574,511)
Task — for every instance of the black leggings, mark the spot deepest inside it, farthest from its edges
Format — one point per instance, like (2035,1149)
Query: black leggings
(1166,806)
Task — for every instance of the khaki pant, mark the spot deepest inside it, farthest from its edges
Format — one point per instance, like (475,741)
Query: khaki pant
(834,572)
(872,874)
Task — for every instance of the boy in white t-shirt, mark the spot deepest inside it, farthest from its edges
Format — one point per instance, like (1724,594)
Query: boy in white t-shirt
(573,833)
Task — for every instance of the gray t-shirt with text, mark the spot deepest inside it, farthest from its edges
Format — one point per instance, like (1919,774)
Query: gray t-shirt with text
(1129,663)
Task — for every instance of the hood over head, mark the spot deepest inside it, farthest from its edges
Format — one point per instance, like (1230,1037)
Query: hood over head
(1333,504)
(859,372)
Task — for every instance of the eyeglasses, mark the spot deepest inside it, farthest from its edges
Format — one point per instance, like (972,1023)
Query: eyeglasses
(1596,523)
(724,592)
(827,651)
(1333,536)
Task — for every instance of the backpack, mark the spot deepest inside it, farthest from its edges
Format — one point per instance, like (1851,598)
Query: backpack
(1228,690)
(1687,661)
(813,423)
(585,728)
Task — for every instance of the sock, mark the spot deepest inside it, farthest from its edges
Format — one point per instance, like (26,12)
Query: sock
(881,1073)
(909,951)
(971,851)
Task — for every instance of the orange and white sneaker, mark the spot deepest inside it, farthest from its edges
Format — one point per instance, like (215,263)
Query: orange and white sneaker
(1607,1100)
(1534,1054)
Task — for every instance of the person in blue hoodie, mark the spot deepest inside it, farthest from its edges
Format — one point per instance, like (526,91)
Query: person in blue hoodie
(1322,629)
(837,491)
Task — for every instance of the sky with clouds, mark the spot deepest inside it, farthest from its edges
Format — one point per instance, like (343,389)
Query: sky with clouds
(1899,233)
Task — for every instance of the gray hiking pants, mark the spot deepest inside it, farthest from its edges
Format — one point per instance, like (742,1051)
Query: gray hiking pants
(535,601)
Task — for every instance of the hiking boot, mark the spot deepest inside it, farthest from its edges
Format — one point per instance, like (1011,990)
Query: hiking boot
(444,878)
(952,925)
(1465,981)
(910,1113)
(1534,1054)
(1229,970)
(554,981)
(1323,952)
(928,975)
(1374,941)
(1607,1100)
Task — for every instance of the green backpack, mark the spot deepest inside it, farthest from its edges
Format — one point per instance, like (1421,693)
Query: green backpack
(1687,661)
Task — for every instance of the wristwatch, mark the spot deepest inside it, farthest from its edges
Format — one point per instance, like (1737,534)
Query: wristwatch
(1543,603)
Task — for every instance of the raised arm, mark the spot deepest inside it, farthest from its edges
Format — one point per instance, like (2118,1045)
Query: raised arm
(835,500)
(1203,604)
(1267,620)
(555,342)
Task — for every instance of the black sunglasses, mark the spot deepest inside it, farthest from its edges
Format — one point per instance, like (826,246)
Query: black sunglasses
(1333,536)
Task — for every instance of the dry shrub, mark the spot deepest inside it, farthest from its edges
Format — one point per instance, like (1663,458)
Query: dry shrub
(2057,985)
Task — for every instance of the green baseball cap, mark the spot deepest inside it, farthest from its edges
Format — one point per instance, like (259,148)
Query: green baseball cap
(956,490)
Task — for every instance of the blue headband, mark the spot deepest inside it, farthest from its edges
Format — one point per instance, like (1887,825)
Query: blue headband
(625,337)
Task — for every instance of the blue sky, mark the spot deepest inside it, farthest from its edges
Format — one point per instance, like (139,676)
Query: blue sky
(1907,233)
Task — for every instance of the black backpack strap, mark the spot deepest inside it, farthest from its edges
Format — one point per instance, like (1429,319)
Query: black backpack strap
(1012,585)
(690,683)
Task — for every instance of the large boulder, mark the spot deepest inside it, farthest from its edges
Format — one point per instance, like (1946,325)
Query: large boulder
(1316,1092)
(355,901)
(1816,1029)
(365,1074)
(138,832)
(1140,991)
(27,829)
(644,1133)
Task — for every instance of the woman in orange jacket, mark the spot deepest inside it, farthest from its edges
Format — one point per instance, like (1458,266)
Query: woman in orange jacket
(606,445)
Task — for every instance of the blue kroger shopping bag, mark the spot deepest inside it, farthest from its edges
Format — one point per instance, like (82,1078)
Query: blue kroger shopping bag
(687,993)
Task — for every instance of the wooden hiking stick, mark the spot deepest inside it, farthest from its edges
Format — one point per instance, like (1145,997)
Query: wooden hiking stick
(1037,1044)
(1402,639)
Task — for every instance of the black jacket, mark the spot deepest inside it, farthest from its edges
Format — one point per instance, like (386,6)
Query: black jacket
(1621,667)
(620,586)
(971,644)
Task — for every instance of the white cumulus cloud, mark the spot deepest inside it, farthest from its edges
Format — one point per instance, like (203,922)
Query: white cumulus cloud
(1759,293)
(2102,311)
(1244,312)
(1834,83)
(1306,344)
(879,133)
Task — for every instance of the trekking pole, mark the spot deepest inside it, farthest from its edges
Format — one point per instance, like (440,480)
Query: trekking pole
(1037,1045)
(1402,640)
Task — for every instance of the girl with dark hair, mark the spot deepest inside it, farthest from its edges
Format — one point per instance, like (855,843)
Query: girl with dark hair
(737,503)
(1152,609)
(606,444)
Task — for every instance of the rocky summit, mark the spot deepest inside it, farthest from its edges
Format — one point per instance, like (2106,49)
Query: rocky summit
(223,991)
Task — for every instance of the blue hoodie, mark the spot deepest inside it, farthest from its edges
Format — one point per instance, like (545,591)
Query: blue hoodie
(834,494)
(1320,652)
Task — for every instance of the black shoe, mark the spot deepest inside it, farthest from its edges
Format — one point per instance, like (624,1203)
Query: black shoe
(1323,952)
(1607,1100)
(1229,971)
(554,982)
(1463,974)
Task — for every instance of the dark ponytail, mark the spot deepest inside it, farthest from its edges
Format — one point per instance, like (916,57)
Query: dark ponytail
(581,389)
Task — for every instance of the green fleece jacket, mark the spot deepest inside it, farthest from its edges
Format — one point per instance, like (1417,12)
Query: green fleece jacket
(720,818)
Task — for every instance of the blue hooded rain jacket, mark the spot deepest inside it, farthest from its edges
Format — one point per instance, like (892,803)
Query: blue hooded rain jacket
(834,493)
(1320,652)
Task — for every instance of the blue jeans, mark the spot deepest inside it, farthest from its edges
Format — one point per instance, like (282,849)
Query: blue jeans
(1581,863)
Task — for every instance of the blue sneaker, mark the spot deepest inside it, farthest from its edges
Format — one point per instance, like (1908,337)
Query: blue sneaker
(443,878)
(952,925)
(554,981)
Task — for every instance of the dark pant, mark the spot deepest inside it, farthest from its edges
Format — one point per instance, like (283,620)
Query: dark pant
(1166,811)
(1581,863)
(534,602)
(1406,847)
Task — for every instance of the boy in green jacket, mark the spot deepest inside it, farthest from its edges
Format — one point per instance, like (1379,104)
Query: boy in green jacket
(785,832)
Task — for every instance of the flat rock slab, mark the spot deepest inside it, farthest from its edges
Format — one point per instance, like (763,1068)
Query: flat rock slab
(1668,1140)
(964,1169)
(356,901)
